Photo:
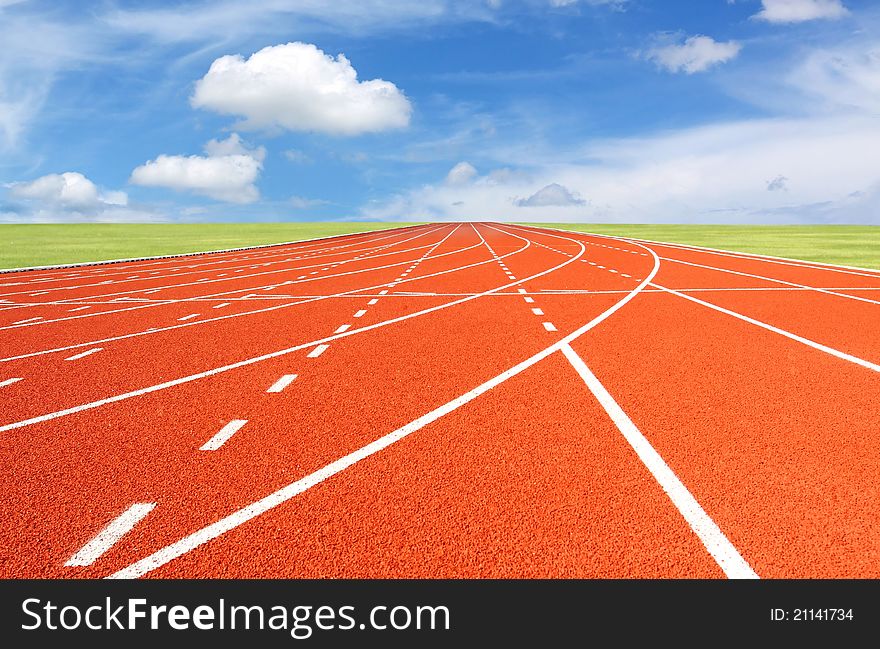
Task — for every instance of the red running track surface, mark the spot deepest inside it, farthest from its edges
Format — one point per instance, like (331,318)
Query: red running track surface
(446,400)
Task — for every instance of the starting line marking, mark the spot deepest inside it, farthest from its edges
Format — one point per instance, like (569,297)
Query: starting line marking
(343,329)
(108,537)
(360,313)
(282,383)
(224,434)
(549,326)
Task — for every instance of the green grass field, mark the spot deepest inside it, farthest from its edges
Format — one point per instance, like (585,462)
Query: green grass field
(44,244)
(850,245)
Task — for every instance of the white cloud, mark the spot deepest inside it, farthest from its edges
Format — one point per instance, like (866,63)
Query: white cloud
(303,203)
(780,183)
(552,195)
(796,11)
(297,156)
(228,173)
(461,174)
(69,190)
(233,145)
(300,88)
(696,54)
(715,173)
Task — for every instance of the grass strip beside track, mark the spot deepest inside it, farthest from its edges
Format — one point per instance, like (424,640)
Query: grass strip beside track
(41,244)
(849,245)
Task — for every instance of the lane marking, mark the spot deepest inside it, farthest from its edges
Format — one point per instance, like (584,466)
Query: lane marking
(529,300)
(107,538)
(3,384)
(189,317)
(521,290)
(360,313)
(343,329)
(782,332)
(88,352)
(220,306)
(255,509)
(223,435)
(317,351)
(282,383)
(372,302)
(771,279)
(537,312)
(549,326)
(719,546)
(39,317)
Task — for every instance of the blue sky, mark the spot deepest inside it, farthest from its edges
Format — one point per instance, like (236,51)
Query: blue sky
(745,111)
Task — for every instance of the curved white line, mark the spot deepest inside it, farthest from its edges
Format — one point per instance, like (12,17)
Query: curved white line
(237,518)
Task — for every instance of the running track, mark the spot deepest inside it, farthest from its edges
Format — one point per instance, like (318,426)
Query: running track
(446,400)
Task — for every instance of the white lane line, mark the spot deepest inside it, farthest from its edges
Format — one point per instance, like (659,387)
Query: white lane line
(611,270)
(360,313)
(155,290)
(549,326)
(537,312)
(521,290)
(317,351)
(806,341)
(39,317)
(383,292)
(40,293)
(255,509)
(529,300)
(282,383)
(771,279)
(372,302)
(343,329)
(625,275)
(188,317)
(107,538)
(718,545)
(3,384)
(223,435)
(88,352)
(220,306)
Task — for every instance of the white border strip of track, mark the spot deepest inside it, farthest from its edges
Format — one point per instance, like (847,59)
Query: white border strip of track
(202,536)
(204,252)
(718,545)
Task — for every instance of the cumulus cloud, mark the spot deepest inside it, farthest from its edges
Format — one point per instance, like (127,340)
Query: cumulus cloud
(303,203)
(780,183)
(227,173)
(298,87)
(695,54)
(69,190)
(461,174)
(797,11)
(552,195)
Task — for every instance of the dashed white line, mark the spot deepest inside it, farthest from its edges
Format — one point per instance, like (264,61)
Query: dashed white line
(189,317)
(39,317)
(537,312)
(360,313)
(529,300)
(372,302)
(317,351)
(108,537)
(343,329)
(220,306)
(3,384)
(282,383)
(223,435)
(549,326)
(88,352)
